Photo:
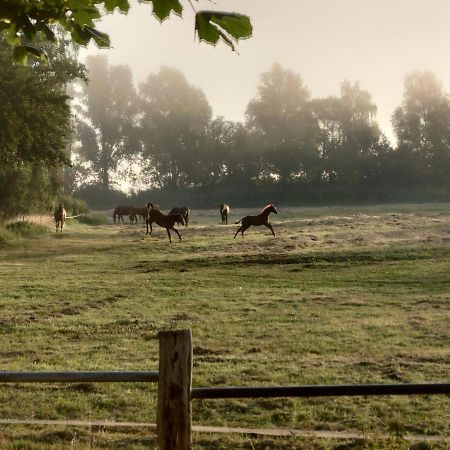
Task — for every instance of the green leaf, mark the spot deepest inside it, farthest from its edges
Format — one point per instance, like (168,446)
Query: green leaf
(123,5)
(84,15)
(49,34)
(162,8)
(213,25)
(100,38)
(21,53)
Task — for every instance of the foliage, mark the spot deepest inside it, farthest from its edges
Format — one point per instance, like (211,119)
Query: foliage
(23,21)
(34,129)
(26,228)
(175,117)
(107,132)
(74,205)
(93,219)
(422,127)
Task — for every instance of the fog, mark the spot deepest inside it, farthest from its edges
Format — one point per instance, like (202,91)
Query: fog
(325,41)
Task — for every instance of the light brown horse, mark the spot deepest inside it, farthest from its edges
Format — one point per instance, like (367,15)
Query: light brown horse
(224,211)
(163,220)
(60,216)
(184,211)
(122,211)
(261,219)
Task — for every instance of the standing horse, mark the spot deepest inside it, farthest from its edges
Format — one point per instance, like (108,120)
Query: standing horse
(121,211)
(163,220)
(183,211)
(60,216)
(261,219)
(224,211)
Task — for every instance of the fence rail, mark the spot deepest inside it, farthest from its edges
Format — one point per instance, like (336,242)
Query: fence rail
(79,377)
(320,391)
(175,392)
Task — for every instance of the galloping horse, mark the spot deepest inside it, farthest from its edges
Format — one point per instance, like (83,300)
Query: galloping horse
(224,211)
(183,211)
(60,216)
(163,220)
(261,219)
(121,211)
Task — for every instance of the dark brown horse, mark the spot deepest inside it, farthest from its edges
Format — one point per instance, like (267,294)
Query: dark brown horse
(141,212)
(60,216)
(261,219)
(224,211)
(163,220)
(184,212)
(122,211)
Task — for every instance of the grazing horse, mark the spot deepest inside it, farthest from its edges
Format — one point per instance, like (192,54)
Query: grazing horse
(121,211)
(60,216)
(261,219)
(183,211)
(163,220)
(141,212)
(224,211)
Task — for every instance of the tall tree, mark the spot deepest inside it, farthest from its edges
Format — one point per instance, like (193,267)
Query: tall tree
(175,116)
(422,127)
(107,132)
(351,138)
(34,127)
(281,113)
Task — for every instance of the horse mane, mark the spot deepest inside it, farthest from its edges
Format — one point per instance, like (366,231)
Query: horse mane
(266,208)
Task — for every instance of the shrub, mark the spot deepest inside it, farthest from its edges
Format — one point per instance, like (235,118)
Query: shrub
(26,228)
(74,205)
(93,219)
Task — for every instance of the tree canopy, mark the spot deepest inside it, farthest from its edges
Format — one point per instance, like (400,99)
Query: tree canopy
(21,21)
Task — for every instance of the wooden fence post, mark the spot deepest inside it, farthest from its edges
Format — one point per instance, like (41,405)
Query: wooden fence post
(174,413)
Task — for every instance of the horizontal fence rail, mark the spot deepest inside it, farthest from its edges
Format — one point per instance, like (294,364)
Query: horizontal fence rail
(79,377)
(320,391)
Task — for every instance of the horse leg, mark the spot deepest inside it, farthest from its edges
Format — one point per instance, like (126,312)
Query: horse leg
(239,229)
(270,228)
(168,233)
(176,231)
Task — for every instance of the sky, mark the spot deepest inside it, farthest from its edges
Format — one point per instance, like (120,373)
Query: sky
(325,41)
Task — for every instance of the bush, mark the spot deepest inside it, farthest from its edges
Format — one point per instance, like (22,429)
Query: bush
(25,228)
(6,236)
(93,219)
(74,205)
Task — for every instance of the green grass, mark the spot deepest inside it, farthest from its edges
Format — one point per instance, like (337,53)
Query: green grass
(339,296)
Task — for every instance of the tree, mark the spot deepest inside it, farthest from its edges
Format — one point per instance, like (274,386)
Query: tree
(108,132)
(34,128)
(422,128)
(281,113)
(350,137)
(22,21)
(175,116)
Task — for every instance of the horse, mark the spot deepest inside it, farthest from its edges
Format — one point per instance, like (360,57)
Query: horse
(261,219)
(183,211)
(121,211)
(141,212)
(60,216)
(224,211)
(163,220)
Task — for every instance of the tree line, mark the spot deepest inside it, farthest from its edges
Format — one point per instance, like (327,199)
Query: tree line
(163,137)
(67,128)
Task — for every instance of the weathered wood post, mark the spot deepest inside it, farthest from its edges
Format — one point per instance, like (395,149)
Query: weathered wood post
(174,413)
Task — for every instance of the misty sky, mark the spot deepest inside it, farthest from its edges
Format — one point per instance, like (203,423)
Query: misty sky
(325,41)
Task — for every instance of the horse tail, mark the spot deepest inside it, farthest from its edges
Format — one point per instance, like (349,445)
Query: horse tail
(240,220)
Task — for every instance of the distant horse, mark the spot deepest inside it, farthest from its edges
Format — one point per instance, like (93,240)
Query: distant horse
(261,219)
(183,211)
(141,212)
(224,211)
(122,211)
(163,220)
(60,217)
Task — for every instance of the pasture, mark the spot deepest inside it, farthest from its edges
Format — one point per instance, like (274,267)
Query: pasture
(341,295)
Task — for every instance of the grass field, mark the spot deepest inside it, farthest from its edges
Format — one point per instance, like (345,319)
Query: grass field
(341,295)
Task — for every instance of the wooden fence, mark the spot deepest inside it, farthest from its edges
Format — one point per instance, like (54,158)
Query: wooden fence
(175,391)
